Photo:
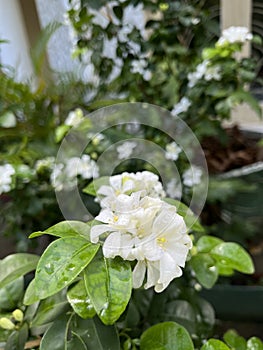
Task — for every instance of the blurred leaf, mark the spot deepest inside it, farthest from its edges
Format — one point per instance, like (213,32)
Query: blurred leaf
(234,340)
(166,336)
(61,263)
(254,343)
(206,243)
(11,294)
(15,266)
(17,339)
(214,344)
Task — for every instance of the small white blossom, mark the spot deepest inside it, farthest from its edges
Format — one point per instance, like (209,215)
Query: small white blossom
(6,173)
(174,189)
(125,150)
(96,138)
(192,176)
(204,70)
(234,35)
(74,117)
(172,151)
(46,163)
(139,66)
(182,106)
(109,48)
(134,17)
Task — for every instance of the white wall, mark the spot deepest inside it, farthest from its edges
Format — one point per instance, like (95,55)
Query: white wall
(16,52)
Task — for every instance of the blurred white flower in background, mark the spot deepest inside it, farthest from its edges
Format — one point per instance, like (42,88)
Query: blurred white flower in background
(203,70)
(125,150)
(74,117)
(172,151)
(233,35)
(192,176)
(6,173)
(174,189)
(182,106)
(139,66)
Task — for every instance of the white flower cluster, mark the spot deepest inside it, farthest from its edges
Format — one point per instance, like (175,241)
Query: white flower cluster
(182,106)
(63,176)
(204,71)
(233,35)
(138,226)
(6,173)
(140,67)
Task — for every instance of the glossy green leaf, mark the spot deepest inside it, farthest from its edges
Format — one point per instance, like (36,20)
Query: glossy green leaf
(166,336)
(254,343)
(205,269)
(11,294)
(234,256)
(51,308)
(17,339)
(68,228)
(109,286)
(93,187)
(80,301)
(15,266)
(235,341)
(214,344)
(61,263)
(206,243)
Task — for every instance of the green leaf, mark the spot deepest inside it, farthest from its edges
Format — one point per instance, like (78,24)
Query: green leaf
(80,301)
(11,294)
(214,344)
(92,187)
(235,341)
(109,286)
(254,343)
(61,263)
(15,266)
(17,339)
(234,256)
(60,132)
(166,336)
(206,243)
(56,336)
(68,228)
(30,296)
(50,309)
(96,335)
(205,269)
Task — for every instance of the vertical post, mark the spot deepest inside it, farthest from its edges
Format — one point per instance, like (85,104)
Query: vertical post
(237,13)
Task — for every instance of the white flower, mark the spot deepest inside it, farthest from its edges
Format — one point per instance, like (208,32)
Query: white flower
(192,176)
(64,176)
(234,35)
(96,138)
(182,106)
(174,189)
(133,16)
(45,163)
(74,117)
(6,173)
(172,151)
(145,182)
(204,70)
(109,48)
(138,66)
(125,150)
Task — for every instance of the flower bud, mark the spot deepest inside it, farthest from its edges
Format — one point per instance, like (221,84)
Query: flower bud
(6,323)
(18,315)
